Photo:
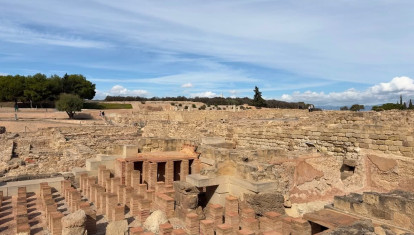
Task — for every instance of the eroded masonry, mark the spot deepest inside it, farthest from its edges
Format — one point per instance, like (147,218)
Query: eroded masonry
(213,172)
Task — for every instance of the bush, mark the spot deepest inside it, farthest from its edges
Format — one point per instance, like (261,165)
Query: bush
(186,107)
(194,106)
(343,108)
(203,107)
(69,103)
(180,105)
(357,107)
(172,103)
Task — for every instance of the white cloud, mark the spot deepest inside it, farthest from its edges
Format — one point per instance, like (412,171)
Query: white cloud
(377,94)
(187,85)
(397,84)
(122,91)
(208,94)
(17,34)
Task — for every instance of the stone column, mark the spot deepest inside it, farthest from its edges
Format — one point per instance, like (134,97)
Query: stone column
(129,168)
(115,184)
(135,179)
(184,169)
(196,166)
(192,224)
(152,175)
(169,172)
(111,202)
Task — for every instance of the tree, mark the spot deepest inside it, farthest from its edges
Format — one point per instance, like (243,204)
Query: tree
(410,105)
(343,108)
(357,107)
(258,101)
(77,84)
(401,100)
(36,89)
(69,103)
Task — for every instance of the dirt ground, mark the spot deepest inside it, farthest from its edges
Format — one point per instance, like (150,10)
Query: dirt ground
(30,120)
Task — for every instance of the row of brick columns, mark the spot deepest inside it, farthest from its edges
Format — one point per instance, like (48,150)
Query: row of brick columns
(22,220)
(74,201)
(243,223)
(111,197)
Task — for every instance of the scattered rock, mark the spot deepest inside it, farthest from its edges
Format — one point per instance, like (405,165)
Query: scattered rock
(265,202)
(153,222)
(117,228)
(75,219)
(360,227)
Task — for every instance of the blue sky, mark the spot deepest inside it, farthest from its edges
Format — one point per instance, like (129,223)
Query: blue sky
(325,52)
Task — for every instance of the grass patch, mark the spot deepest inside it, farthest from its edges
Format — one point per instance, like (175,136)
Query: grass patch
(98,105)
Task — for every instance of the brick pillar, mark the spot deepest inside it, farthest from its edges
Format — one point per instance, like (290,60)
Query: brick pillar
(56,223)
(232,219)
(118,213)
(152,175)
(135,179)
(270,221)
(206,227)
(169,172)
(192,224)
(136,231)
(82,182)
(101,169)
(159,187)
(215,213)
(111,202)
(196,166)
(106,174)
(231,205)
(150,196)
(184,169)
(91,181)
(92,192)
(224,229)
(166,204)
(166,229)
(248,232)
(102,203)
(108,185)
(250,224)
(120,194)
(127,195)
(179,232)
(75,199)
(145,170)
(64,185)
(115,184)
(144,206)
(129,168)
(99,190)
(142,190)
(134,205)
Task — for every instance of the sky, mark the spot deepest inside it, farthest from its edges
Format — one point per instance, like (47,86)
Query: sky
(323,52)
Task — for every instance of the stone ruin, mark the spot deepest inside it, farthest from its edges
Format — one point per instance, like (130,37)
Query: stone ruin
(247,172)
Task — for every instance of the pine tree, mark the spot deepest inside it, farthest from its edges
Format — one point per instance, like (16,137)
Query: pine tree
(401,100)
(410,105)
(258,101)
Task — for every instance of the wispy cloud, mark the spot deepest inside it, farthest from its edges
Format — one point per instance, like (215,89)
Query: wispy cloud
(214,45)
(17,34)
(122,91)
(208,94)
(377,94)
(187,85)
